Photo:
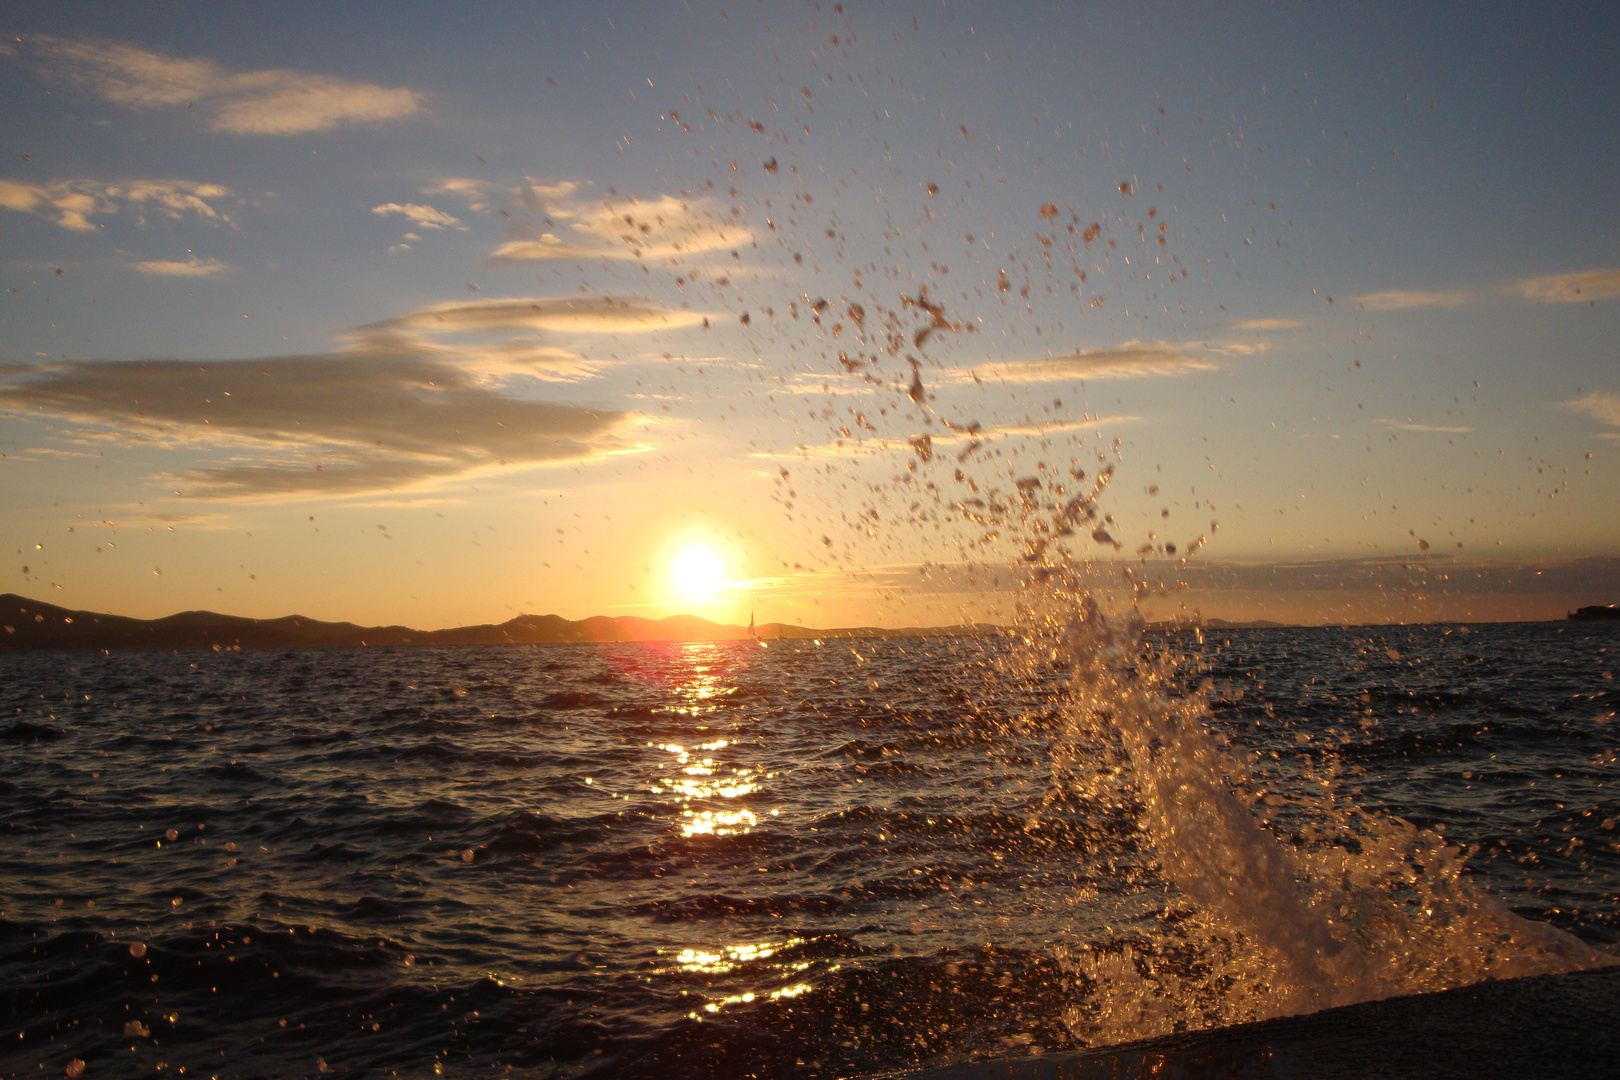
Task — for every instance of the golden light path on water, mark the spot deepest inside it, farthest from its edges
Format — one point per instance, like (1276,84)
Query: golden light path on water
(697,780)
(727,959)
(699,776)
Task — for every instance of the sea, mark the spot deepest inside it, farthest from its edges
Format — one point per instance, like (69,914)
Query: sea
(800,859)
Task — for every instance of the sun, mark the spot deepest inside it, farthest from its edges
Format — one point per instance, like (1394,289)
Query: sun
(696,573)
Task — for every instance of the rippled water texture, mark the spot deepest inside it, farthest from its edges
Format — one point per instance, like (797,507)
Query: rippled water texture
(803,860)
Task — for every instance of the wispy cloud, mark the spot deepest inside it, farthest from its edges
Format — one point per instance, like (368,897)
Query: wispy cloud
(1581,286)
(476,192)
(1412,425)
(1402,299)
(850,447)
(1573,288)
(72,203)
(1265,324)
(424,216)
(139,515)
(925,446)
(1598,576)
(1129,360)
(191,267)
(1237,348)
(1053,427)
(662,228)
(606,314)
(264,102)
(1600,406)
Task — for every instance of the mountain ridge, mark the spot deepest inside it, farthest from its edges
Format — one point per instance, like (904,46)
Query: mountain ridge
(27,624)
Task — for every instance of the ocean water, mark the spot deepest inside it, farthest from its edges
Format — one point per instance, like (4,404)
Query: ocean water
(801,859)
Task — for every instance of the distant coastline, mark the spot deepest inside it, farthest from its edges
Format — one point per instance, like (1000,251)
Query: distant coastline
(33,624)
(27,625)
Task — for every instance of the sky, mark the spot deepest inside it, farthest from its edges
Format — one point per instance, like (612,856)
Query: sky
(399,313)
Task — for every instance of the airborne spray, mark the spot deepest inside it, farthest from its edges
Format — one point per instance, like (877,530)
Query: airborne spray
(1233,898)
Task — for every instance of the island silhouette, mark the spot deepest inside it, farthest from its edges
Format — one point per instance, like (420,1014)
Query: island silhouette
(27,624)
(34,624)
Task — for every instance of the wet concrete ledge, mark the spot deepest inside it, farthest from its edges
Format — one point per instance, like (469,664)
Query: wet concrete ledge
(1544,1027)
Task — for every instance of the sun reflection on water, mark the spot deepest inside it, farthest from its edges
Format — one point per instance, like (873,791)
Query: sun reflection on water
(741,999)
(699,672)
(718,822)
(701,777)
(727,958)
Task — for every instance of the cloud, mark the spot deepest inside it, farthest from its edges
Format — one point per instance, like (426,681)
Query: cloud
(492,364)
(1600,406)
(827,384)
(1411,425)
(542,197)
(1594,576)
(1131,359)
(1400,300)
(850,447)
(192,267)
(542,362)
(476,192)
(381,415)
(1049,427)
(395,407)
(1571,288)
(933,443)
(660,228)
(1265,324)
(604,315)
(424,216)
(265,102)
(71,203)
(1239,348)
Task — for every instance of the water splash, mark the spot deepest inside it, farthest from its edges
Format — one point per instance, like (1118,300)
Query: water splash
(1272,899)
(1279,905)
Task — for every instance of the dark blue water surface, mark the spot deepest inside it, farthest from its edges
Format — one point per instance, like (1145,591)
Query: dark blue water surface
(704,860)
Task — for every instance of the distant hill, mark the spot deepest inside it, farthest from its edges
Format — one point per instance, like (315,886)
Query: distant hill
(33,624)
(1215,624)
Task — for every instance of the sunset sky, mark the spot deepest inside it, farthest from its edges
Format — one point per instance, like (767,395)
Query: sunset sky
(431,315)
